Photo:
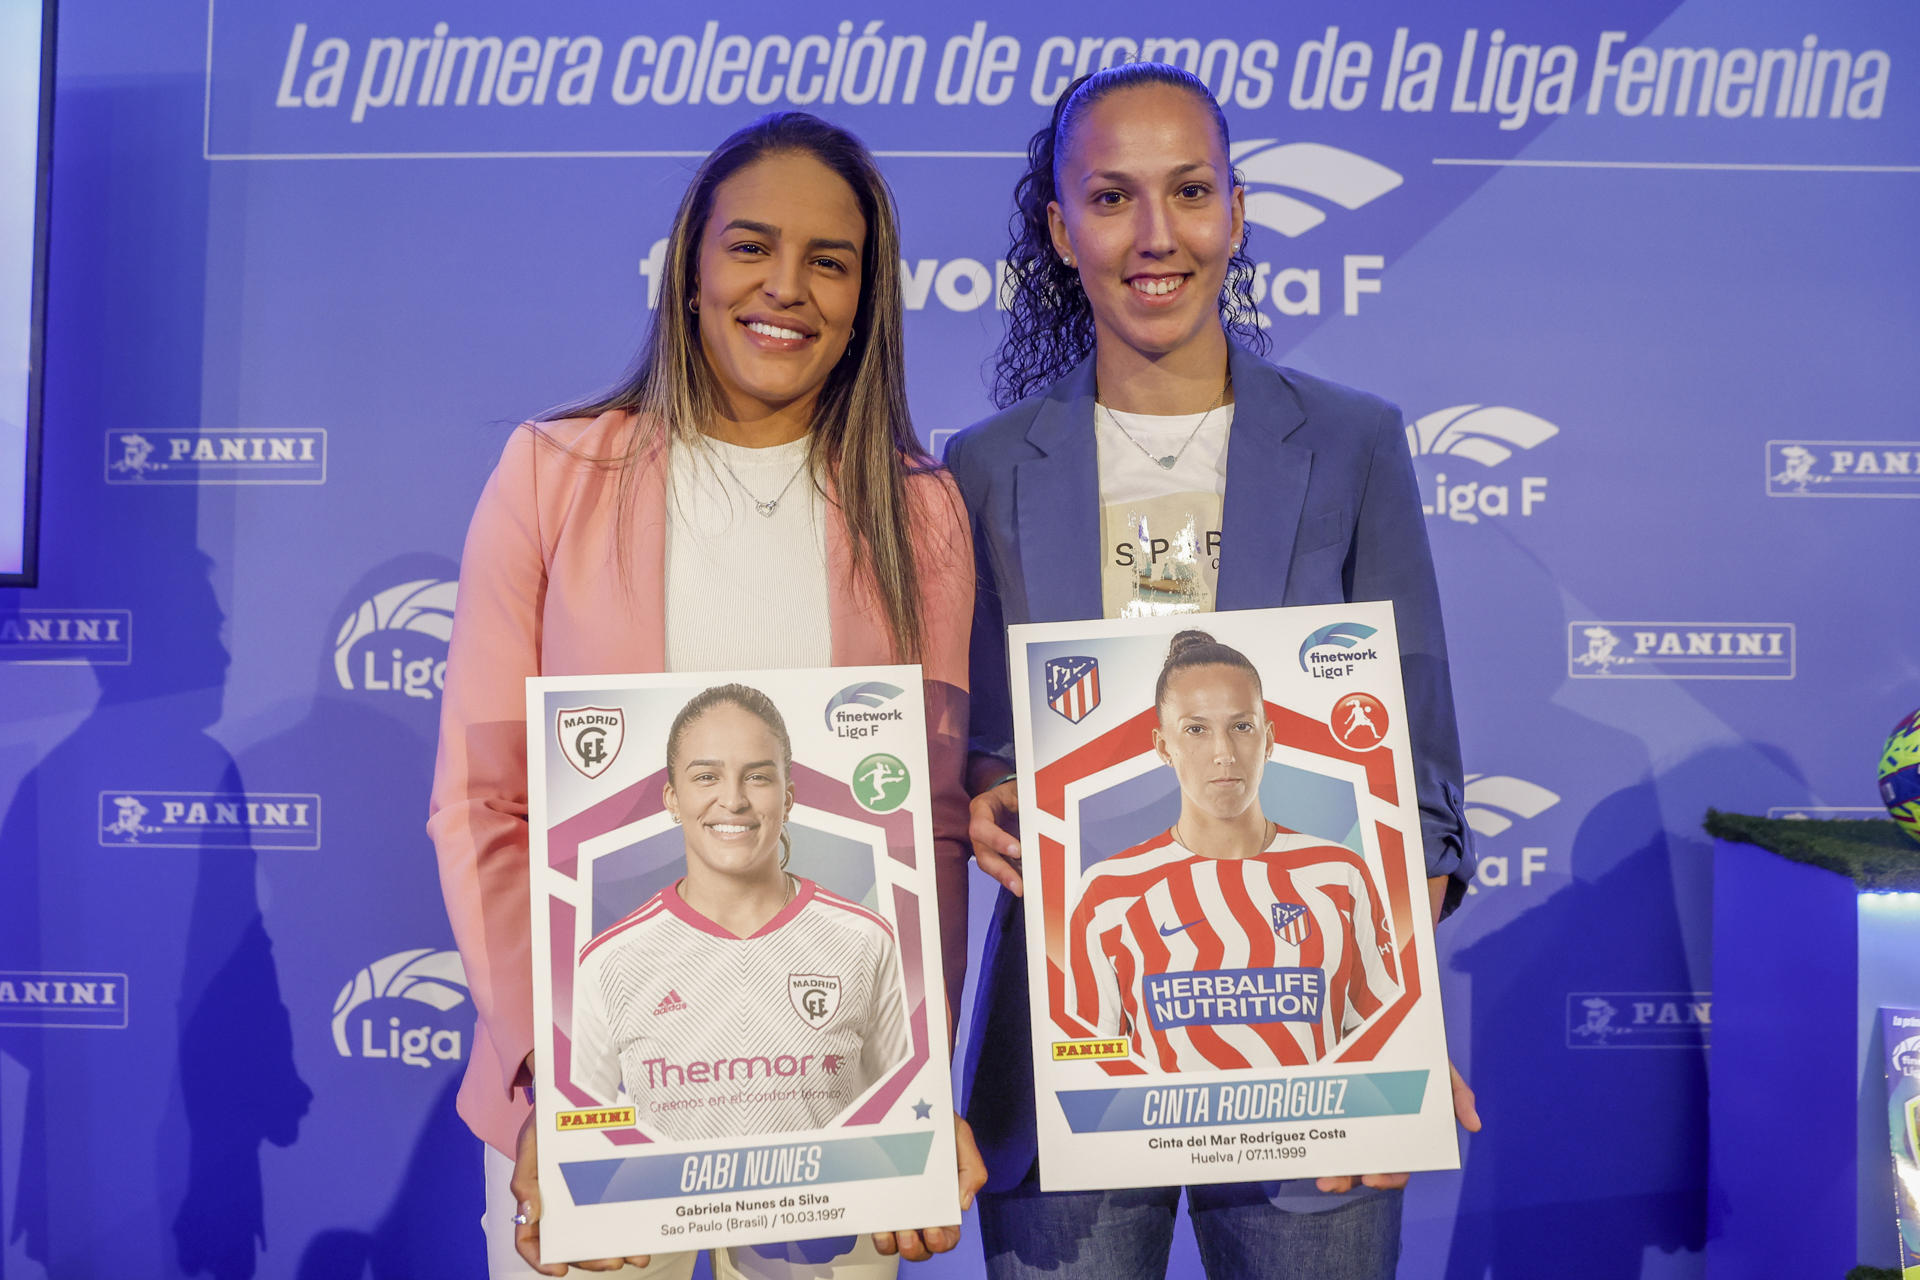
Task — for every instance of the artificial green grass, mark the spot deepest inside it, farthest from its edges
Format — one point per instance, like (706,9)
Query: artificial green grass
(1874,855)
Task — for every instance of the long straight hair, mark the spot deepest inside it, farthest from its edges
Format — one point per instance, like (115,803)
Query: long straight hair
(861,435)
(1049,320)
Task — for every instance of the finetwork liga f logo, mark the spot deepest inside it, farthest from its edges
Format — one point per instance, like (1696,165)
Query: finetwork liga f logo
(396,643)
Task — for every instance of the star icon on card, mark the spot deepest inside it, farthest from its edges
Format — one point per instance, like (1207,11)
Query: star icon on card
(923,1110)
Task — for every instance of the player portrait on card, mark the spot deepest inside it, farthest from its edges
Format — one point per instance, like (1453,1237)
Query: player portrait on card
(1230,957)
(737,973)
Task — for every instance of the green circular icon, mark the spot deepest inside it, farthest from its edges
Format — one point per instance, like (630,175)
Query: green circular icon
(881,783)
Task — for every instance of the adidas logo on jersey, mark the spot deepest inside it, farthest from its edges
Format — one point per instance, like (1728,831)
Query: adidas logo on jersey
(669,1003)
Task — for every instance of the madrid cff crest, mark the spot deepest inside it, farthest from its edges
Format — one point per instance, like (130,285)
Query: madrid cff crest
(815,996)
(590,737)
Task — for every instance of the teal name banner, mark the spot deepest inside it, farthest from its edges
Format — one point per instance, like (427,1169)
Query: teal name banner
(1181,1106)
(762,1167)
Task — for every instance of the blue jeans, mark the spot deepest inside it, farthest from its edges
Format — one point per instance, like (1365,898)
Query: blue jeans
(1030,1234)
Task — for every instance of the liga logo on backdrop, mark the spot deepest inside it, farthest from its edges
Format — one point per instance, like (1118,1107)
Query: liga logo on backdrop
(409,1008)
(210,819)
(216,457)
(396,643)
(1494,803)
(1488,436)
(88,1000)
(67,637)
(1639,1019)
(1681,650)
(1843,468)
(1292,188)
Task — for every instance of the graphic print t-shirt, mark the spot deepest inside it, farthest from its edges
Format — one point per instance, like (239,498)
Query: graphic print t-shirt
(1215,963)
(1160,527)
(712,1036)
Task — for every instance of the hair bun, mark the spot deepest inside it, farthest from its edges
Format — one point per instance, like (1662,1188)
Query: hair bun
(1185,640)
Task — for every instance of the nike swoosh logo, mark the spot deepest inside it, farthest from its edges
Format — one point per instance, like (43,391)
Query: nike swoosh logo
(1179,928)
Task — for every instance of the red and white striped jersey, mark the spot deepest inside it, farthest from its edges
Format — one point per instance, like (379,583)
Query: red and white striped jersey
(1213,963)
(712,1036)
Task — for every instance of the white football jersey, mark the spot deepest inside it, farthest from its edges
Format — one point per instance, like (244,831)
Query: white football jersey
(710,1035)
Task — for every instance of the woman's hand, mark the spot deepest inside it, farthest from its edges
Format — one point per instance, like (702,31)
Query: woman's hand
(1463,1111)
(918,1246)
(994,820)
(526,1192)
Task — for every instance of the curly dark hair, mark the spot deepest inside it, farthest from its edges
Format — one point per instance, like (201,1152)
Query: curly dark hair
(1049,322)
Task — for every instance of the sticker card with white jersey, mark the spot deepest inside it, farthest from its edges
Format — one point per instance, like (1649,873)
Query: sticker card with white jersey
(1229,946)
(739,1010)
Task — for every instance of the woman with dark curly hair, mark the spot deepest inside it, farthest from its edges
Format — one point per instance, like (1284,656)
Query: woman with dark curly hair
(1148,462)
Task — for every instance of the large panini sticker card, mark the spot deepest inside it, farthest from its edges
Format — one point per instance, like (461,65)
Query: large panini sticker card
(739,1023)
(1901,1029)
(1230,952)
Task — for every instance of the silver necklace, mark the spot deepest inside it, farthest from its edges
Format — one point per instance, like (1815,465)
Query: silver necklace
(767,506)
(1167,462)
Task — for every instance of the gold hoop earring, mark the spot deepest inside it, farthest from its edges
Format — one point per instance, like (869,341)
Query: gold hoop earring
(693,305)
(786,848)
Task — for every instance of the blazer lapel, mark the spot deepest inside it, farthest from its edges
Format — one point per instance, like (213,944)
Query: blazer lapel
(1266,487)
(1057,506)
(854,617)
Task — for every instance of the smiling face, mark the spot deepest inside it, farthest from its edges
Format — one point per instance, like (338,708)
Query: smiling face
(778,286)
(730,793)
(1214,733)
(1147,211)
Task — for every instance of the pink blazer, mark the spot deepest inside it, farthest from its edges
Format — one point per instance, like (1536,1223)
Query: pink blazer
(541,594)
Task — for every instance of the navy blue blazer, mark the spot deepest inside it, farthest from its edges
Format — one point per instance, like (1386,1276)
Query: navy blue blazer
(1321,507)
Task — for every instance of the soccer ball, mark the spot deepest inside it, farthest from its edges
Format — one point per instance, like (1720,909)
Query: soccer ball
(1900,774)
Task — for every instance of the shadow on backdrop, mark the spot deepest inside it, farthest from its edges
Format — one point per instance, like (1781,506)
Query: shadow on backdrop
(157,1128)
(1589,1049)
(389,1183)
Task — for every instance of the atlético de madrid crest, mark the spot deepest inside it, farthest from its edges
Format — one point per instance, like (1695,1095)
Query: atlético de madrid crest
(1073,686)
(590,737)
(815,996)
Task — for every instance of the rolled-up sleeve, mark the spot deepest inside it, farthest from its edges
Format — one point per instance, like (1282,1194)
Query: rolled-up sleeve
(478,817)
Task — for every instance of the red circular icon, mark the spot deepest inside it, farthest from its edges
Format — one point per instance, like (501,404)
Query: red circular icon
(1359,721)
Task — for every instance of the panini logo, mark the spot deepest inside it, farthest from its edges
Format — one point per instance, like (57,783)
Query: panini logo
(1681,650)
(1843,468)
(1827,812)
(1488,435)
(216,457)
(1075,1050)
(93,1000)
(67,637)
(1639,1019)
(397,642)
(602,1118)
(210,819)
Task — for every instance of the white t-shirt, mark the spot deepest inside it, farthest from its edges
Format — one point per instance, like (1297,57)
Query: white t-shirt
(712,1036)
(1159,526)
(743,590)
